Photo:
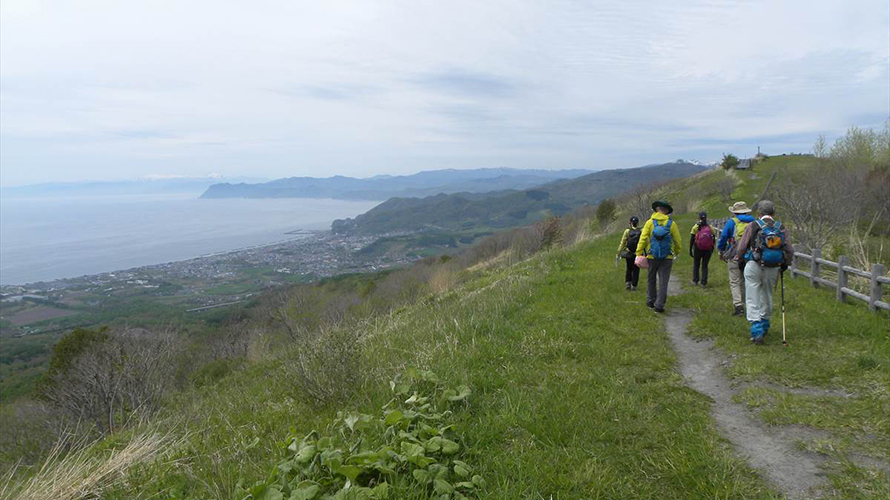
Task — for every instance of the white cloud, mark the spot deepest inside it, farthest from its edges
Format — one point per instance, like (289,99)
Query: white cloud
(124,89)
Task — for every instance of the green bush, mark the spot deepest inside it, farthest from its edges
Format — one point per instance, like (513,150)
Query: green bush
(213,372)
(411,446)
(67,350)
(730,161)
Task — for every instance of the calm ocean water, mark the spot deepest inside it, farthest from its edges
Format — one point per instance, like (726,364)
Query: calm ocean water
(46,239)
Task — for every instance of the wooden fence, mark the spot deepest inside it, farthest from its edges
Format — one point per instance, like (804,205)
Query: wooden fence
(814,274)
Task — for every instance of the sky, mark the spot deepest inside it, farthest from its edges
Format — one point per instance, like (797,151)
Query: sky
(109,90)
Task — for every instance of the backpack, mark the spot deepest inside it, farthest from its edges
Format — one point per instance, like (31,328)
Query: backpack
(770,245)
(660,244)
(704,238)
(633,239)
(730,252)
(739,228)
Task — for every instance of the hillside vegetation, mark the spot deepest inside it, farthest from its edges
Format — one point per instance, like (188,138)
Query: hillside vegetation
(467,211)
(572,388)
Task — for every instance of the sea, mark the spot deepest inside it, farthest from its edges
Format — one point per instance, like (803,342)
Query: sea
(44,239)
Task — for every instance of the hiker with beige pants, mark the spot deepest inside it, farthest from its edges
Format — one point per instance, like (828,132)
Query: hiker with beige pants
(732,233)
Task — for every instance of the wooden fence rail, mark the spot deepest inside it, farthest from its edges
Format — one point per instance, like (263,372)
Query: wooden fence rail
(816,263)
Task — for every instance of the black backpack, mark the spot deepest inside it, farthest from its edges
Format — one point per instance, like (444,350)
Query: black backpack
(633,239)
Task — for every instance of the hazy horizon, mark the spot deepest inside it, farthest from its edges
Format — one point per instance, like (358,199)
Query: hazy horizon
(239,178)
(110,91)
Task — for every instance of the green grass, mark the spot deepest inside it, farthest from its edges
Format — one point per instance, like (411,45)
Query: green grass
(838,358)
(575,388)
(575,394)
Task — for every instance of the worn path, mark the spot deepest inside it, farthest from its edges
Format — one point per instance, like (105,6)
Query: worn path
(770,450)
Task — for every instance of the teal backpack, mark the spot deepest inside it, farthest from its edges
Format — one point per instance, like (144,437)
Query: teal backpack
(769,249)
(660,243)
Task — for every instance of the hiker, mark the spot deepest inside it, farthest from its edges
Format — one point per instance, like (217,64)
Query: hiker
(732,233)
(627,250)
(659,244)
(701,246)
(764,250)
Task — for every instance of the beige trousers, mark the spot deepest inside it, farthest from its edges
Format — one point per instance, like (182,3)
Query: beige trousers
(736,284)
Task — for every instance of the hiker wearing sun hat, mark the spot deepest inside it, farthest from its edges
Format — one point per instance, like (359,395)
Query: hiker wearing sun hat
(660,245)
(732,233)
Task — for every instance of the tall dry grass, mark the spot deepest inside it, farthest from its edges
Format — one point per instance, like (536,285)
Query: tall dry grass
(79,474)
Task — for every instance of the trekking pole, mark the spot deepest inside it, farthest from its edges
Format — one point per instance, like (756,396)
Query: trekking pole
(782,279)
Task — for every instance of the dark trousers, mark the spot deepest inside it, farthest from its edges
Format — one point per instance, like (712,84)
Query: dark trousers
(657,281)
(700,259)
(632,273)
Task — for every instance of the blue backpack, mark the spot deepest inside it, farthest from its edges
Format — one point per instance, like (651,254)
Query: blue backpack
(769,249)
(660,243)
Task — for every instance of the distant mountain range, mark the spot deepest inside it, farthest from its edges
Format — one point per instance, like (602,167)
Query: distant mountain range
(383,187)
(507,208)
(172,185)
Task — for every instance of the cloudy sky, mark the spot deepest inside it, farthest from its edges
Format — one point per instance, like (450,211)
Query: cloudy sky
(113,90)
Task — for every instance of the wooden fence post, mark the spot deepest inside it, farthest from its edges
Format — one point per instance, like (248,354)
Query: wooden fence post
(841,277)
(876,270)
(814,267)
(793,266)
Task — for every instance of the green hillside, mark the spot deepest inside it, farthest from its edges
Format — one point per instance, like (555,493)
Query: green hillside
(503,209)
(573,391)
(704,192)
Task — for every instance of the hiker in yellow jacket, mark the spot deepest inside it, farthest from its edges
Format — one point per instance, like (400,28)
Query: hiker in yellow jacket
(660,244)
(627,251)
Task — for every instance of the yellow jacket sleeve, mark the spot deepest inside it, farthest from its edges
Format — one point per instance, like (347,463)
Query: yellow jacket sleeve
(623,244)
(675,238)
(644,238)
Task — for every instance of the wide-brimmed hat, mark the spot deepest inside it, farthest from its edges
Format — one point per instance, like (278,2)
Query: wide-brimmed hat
(740,207)
(664,204)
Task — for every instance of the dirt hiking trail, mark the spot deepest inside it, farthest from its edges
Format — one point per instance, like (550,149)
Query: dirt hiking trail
(770,450)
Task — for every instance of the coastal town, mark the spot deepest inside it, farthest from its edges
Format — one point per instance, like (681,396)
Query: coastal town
(193,285)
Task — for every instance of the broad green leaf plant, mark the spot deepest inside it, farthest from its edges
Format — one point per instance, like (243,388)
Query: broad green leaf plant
(411,445)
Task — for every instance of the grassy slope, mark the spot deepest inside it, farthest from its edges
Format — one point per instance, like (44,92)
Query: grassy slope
(569,401)
(575,392)
(575,389)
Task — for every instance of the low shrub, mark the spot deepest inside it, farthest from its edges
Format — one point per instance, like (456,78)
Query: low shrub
(411,446)
(326,365)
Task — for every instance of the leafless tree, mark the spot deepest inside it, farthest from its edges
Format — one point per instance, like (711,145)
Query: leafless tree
(726,186)
(820,205)
(846,191)
(231,342)
(117,379)
(296,310)
(552,233)
(639,201)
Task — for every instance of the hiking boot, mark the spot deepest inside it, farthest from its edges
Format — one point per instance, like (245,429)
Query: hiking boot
(757,331)
(659,309)
(650,305)
(739,310)
(703,284)
(628,286)
(633,287)
(758,340)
